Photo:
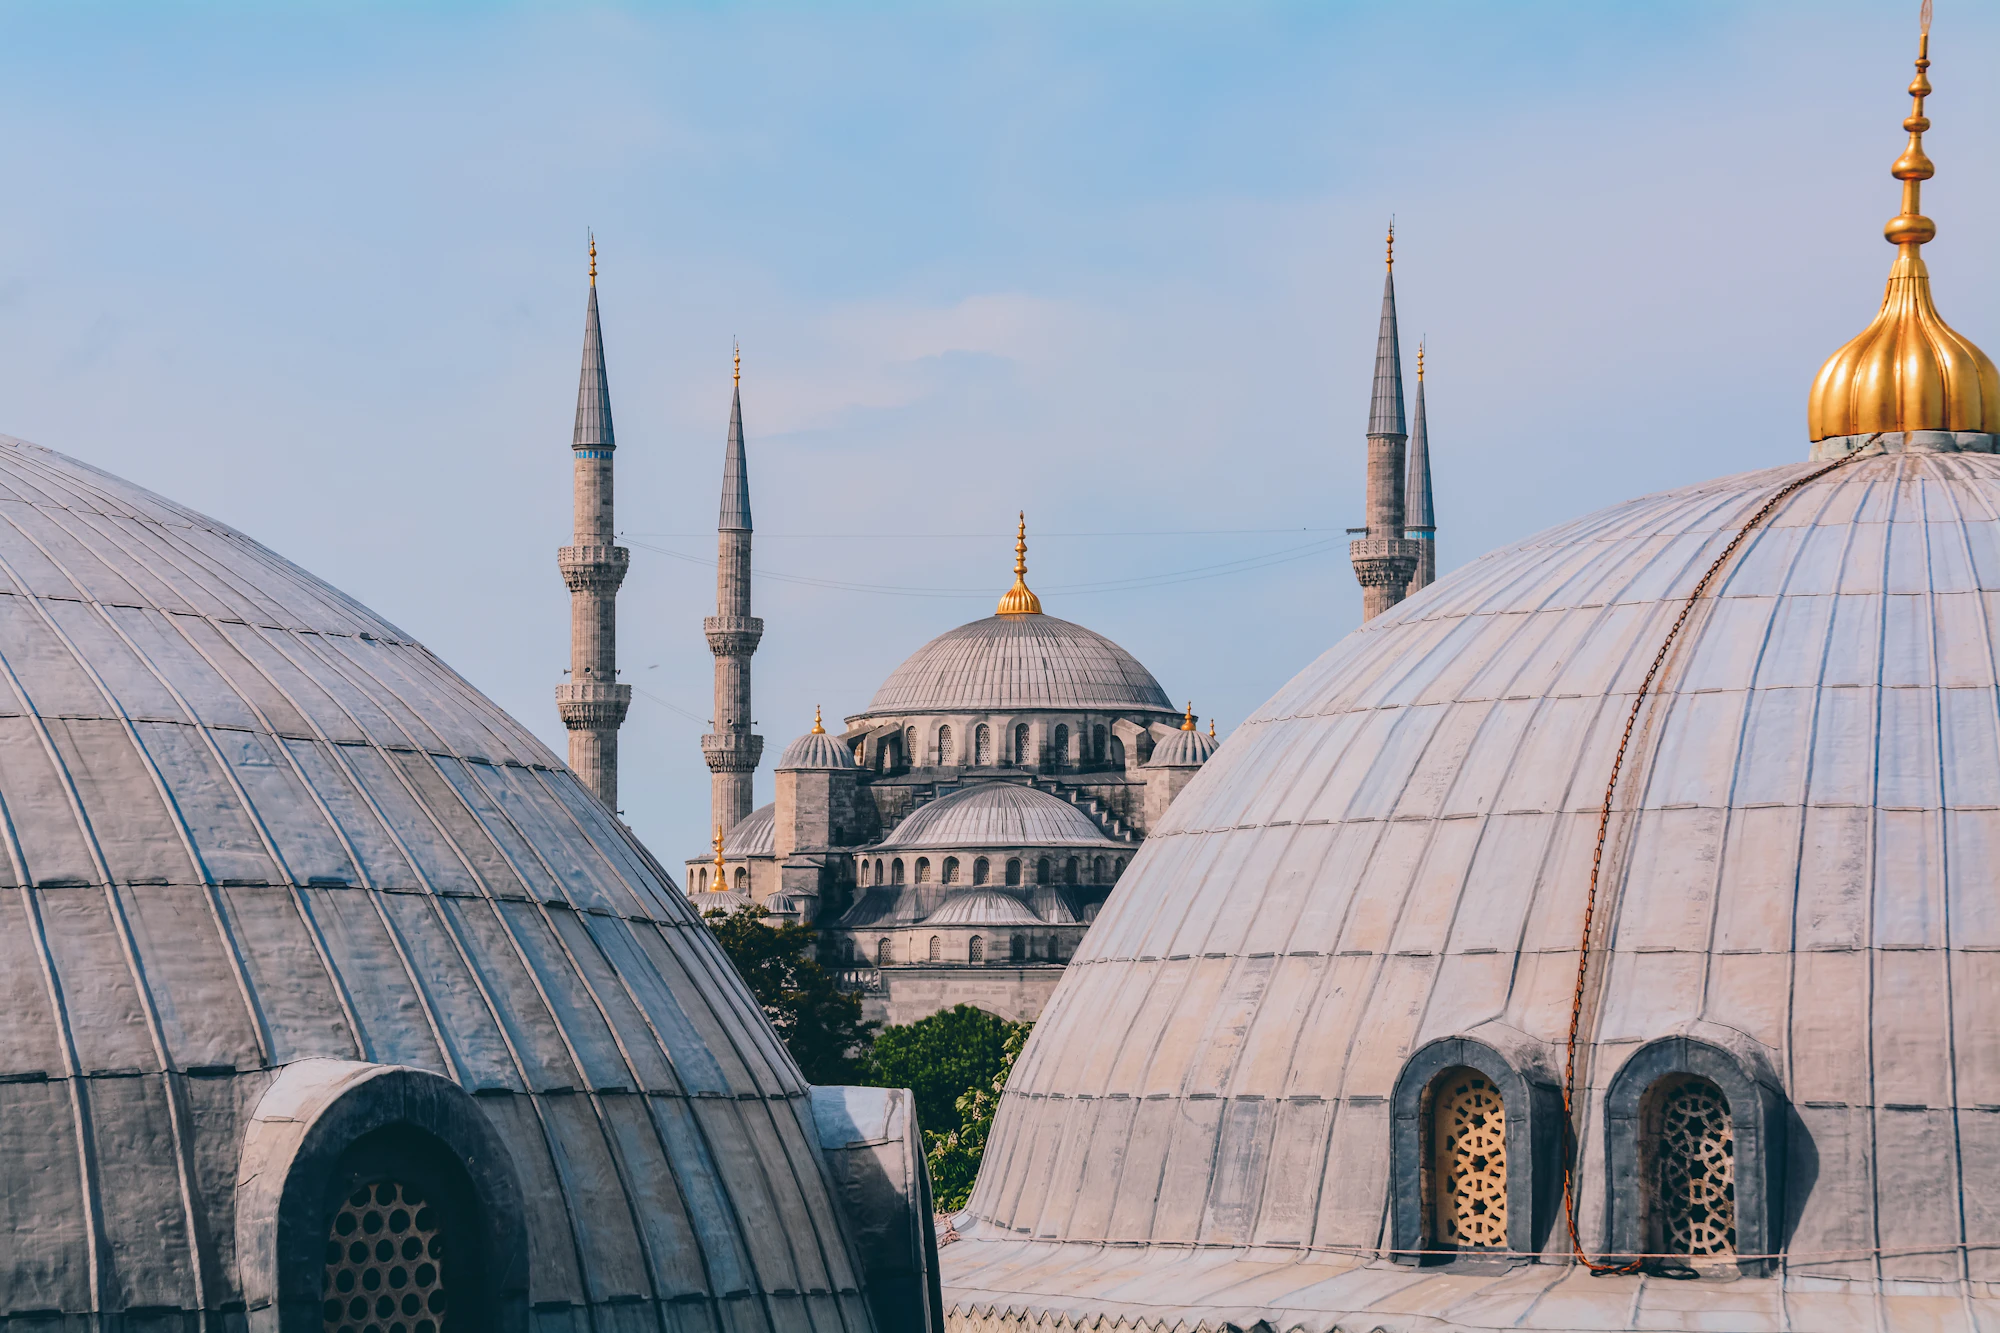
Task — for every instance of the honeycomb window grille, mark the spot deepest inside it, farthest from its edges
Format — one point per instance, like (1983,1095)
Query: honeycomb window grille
(937,949)
(882,956)
(1468,1162)
(1694,1168)
(386,1264)
(982,745)
(976,951)
(944,756)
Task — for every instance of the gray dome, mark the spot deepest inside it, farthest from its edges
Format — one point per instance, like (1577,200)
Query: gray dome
(1394,851)
(982,907)
(282,873)
(756,834)
(996,814)
(1005,663)
(1183,749)
(816,749)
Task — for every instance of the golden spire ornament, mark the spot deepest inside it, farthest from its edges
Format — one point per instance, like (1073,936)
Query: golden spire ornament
(1187,723)
(593,258)
(737,349)
(1018,600)
(1211,728)
(721,878)
(1392,243)
(818,728)
(1909,370)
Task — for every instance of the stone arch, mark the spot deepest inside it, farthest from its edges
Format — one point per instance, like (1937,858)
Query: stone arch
(982,745)
(327,1132)
(1531,1111)
(896,870)
(1100,871)
(1013,870)
(742,879)
(923,870)
(949,873)
(944,750)
(981,870)
(1755,1111)
(975,952)
(936,950)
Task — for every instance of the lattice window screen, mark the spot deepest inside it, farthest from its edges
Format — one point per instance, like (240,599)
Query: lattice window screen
(1695,1171)
(1469,1164)
(384,1263)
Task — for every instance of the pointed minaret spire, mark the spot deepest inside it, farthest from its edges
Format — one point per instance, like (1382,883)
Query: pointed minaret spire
(733,633)
(1422,526)
(1384,559)
(592,702)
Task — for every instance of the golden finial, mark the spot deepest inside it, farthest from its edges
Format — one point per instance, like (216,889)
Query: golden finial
(1018,600)
(593,259)
(1908,370)
(737,349)
(1211,728)
(720,881)
(818,729)
(1187,723)
(1392,243)
(1420,360)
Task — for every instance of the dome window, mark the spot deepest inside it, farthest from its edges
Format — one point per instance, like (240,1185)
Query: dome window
(884,952)
(1042,870)
(1013,870)
(1099,870)
(1118,868)
(385,1260)
(937,950)
(923,870)
(742,880)
(1021,755)
(1145,747)
(982,745)
(1071,869)
(949,874)
(981,868)
(1098,745)
(1694,1168)
(944,754)
(975,952)
(896,870)
(1468,1203)
(1059,752)
(1017,948)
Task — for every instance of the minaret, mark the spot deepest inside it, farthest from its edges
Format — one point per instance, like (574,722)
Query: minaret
(1384,559)
(732,752)
(1422,527)
(592,702)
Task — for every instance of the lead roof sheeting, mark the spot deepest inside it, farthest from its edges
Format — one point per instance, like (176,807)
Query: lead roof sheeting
(324,845)
(995,814)
(1407,814)
(756,834)
(1018,662)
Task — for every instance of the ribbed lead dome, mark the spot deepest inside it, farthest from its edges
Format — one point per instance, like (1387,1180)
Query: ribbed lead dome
(1395,849)
(996,814)
(252,831)
(1018,662)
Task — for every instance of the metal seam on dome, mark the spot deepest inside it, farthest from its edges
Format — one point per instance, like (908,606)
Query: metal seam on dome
(1570,1137)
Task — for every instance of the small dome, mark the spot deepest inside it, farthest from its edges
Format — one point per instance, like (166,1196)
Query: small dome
(982,907)
(815,749)
(726,901)
(1184,749)
(756,834)
(997,814)
(1018,661)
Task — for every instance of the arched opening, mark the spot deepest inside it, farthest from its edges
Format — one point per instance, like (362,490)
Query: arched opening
(1059,750)
(949,872)
(389,1261)
(981,868)
(1467,1207)
(910,744)
(1021,755)
(1117,753)
(1118,868)
(975,952)
(982,745)
(1100,871)
(896,870)
(883,952)
(944,747)
(937,949)
(878,872)
(1097,745)
(1042,870)
(923,870)
(1070,868)
(1013,870)
(1017,948)
(1145,747)
(742,880)
(701,879)
(1691,1177)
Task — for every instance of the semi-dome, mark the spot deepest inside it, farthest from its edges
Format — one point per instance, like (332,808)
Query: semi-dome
(297,909)
(756,834)
(1384,876)
(1017,662)
(982,907)
(816,749)
(996,814)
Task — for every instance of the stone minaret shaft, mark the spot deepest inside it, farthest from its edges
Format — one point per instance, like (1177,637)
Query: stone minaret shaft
(732,752)
(592,702)
(1422,527)
(1385,559)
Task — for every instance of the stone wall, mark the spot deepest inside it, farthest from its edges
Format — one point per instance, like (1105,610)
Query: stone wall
(906,994)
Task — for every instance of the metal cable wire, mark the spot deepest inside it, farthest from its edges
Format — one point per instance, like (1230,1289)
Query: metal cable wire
(1571,1140)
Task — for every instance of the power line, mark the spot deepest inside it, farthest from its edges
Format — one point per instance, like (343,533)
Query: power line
(992,536)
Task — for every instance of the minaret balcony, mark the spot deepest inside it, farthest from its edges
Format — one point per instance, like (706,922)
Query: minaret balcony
(732,752)
(1384,561)
(733,636)
(593,568)
(592,705)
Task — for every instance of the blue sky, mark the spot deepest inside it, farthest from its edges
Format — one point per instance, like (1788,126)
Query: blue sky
(317,269)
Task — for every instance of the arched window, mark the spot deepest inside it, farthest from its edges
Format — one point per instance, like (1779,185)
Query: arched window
(1017,948)
(1693,1175)
(1145,747)
(1069,870)
(910,744)
(883,952)
(896,870)
(1117,753)
(949,873)
(878,872)
(742,880)
(1118,868)
(944,747)
(923,870)
(981,868)
(1042,870)
(975,952)
(1013,870)
(1097,745)
(1098,870)
(982,745)
(1468,1161)
(937,949)
(701,879)
(1059,751)
(1021,755)
(860,748)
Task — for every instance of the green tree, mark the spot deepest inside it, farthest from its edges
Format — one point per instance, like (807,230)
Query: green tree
(954,1156)
(939,1058)
(819,1023)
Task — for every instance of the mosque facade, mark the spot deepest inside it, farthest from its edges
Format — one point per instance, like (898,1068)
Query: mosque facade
(1600,938)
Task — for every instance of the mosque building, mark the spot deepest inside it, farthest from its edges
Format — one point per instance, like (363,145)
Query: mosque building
(1604,937)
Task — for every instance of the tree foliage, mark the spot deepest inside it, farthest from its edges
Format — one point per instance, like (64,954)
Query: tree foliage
(954,1155)
(940,1058)
(819,1023)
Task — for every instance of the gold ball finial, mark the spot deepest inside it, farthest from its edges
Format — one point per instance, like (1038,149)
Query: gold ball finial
(1211,728)
(1392,243)
(593,259)
(1019,600)
(818,728)
(736,349)
(1420,360)
(1187,723)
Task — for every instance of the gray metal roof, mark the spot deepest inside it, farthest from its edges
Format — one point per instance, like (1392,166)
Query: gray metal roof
(1018,662)
(593,392)
(254,823)
(756,834)
(1385,401)
(1422,514)
(996,814)
(1395,848)
(1183,749)
(816,749)
(982,907)
(735,515)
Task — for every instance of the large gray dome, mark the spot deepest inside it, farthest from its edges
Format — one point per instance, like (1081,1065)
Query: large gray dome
(1390,859)
(1017,662)
(996,814)
(269,857)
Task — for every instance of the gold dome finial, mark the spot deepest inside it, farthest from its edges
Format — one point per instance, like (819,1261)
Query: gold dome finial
(818,728)
(719,885)
(1908,370)
(1187,723)
(736,348)
(1211,728)
(1392,243)
(1018,600)
(1420,360)
(593,258)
